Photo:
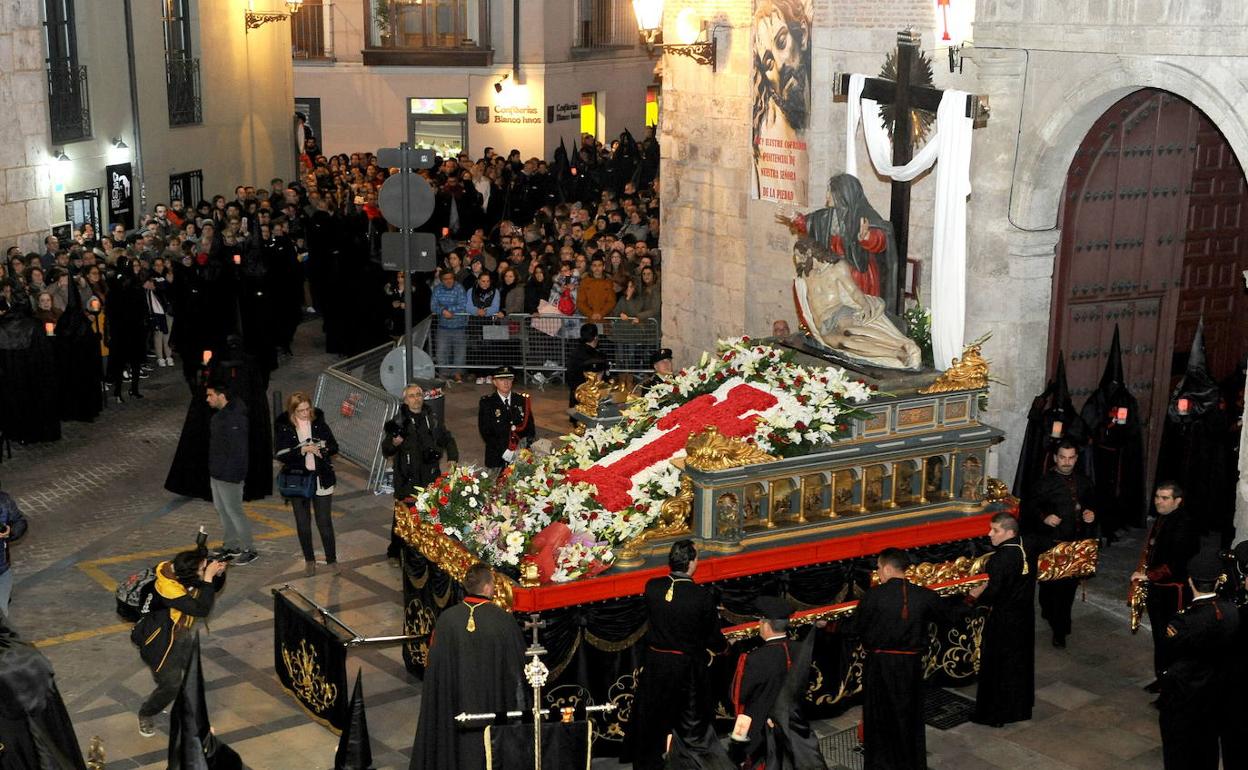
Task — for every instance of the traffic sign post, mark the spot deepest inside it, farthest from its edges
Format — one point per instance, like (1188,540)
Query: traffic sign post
(407,198)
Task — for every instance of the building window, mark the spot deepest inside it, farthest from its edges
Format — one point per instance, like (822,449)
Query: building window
(605,24)
(187,187)
(429,32)
(307,31)
(589,114)
(83,208)
(181,68)
(69,105)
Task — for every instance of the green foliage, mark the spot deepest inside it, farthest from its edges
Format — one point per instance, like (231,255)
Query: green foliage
(919,328)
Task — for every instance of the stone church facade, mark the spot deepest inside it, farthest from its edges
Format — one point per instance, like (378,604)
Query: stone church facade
(1049,69)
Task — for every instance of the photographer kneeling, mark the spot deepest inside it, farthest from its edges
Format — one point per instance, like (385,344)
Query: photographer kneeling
(416,439)
(184,590)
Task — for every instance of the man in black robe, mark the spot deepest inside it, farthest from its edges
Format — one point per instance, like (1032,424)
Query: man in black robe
(1007,656)
(1052,417)
(476,665)
(1232,737)
(1194,450)
(1172,541)
(1194,687)
(891,624)
(34,724)
(1115,461)
(767,690)
(674,694)
(1059,510)
(505,420)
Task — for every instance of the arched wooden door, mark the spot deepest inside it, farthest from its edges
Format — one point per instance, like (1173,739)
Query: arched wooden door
(1153,232)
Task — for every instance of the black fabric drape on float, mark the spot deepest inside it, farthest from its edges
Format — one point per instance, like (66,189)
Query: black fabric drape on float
(594,651)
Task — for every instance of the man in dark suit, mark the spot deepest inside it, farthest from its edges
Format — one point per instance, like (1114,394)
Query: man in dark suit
(1059,509)
(674,694)
(505,420)
(1195,687)
(1172,541)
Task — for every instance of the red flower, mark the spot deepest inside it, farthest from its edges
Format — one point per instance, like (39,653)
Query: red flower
(437,528)
(800,425)
(745,339)
(444,499)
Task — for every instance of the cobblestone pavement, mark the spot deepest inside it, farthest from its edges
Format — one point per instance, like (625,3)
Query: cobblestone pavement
(99,512)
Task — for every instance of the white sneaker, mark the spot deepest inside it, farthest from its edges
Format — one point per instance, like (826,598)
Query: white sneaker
(160,362)
(169,361)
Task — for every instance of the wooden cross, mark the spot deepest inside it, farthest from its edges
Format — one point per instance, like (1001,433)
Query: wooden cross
(905,97)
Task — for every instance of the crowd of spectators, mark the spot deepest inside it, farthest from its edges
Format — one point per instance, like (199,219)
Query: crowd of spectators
(575,236)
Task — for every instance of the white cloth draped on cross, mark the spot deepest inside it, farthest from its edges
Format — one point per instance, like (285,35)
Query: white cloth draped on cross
(952,146)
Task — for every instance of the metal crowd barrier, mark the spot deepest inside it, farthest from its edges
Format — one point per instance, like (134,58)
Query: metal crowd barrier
(539,345)
(357,407)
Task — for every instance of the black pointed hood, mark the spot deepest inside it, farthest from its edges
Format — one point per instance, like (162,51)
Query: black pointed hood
(1197,386)
(192,745)
(1113,374)
(355,750)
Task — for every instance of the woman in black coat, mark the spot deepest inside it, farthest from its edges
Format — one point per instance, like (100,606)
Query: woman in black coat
(125,327)
(303,444)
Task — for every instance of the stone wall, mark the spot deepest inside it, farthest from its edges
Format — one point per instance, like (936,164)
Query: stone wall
(1049,70)
(24,160)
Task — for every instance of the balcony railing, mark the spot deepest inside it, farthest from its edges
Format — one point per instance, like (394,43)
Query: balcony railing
(307,32)
(69,108)
(605,24)
(185,103)
(430,32)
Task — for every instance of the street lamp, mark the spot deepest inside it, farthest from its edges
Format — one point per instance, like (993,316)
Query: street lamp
(256,19)
(649,15)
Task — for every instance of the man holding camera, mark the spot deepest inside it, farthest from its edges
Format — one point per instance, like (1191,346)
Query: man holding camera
(416,439)
(184,591)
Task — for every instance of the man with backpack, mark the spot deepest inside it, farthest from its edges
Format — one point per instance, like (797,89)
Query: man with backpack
(184,591)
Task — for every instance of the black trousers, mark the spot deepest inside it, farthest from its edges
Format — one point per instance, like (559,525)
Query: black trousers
(1056,599)
(169,677)
(1189,738)
(1164,602)
(304,508)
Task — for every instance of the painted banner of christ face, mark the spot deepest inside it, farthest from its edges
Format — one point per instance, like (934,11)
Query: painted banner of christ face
(782,60)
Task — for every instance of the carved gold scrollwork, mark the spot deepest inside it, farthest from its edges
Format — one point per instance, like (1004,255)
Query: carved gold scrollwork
(958,655)
(674,514)
(1075,559)
(449,554)
(970,372)
(926,573)
(590,393)
(996,491)
(710,450)
(306,677)
(419,622)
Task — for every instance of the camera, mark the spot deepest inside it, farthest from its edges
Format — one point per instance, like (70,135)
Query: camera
(201,540)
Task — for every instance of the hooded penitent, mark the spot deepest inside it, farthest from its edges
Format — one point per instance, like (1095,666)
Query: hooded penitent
(1115,460)
(1052,406)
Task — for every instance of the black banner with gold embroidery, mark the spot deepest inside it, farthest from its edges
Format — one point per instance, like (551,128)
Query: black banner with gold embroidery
(311,662)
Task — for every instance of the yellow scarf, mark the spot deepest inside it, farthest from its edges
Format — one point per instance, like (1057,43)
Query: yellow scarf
(169,588)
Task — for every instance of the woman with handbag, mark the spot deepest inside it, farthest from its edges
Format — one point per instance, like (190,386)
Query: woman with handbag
(304,443)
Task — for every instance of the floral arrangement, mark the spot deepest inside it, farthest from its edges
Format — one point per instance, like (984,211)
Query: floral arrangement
(606,487)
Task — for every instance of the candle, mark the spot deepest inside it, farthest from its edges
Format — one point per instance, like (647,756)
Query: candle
(49,328)
(207,357)
(1183,405)
(1056,430)
(238,259)
(94,305)
(1120,415)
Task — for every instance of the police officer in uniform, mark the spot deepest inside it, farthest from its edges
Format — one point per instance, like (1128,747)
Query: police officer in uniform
(505,420)
(1059,509)
(674,695)
(1199,644)
(661,362)
(1235,713)
(767,690)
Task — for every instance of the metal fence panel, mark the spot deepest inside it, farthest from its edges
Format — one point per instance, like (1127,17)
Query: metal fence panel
(356,413)
(538,344)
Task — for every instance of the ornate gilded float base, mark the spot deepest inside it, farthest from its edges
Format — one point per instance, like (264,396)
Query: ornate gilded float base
(673,522)
(970,372)
(450,555)
(1069,560)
